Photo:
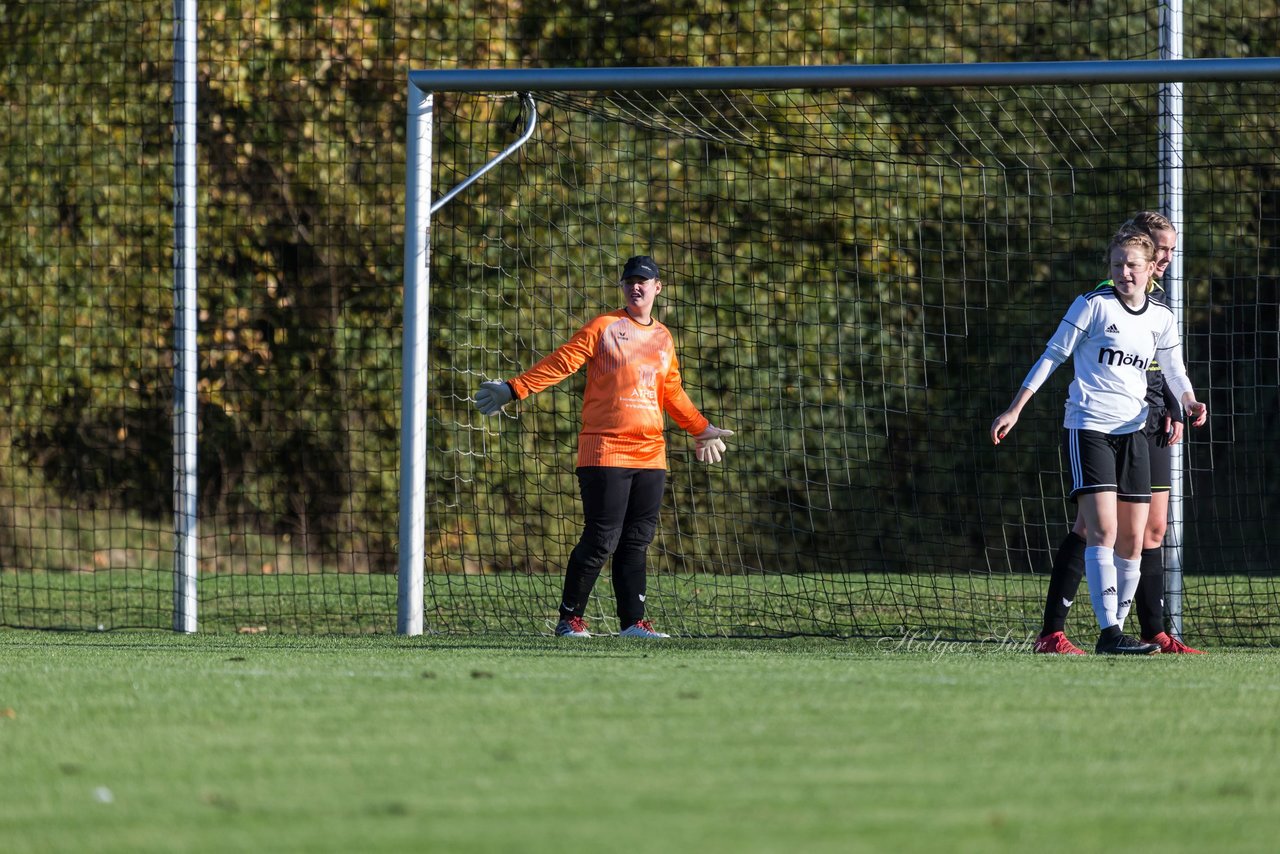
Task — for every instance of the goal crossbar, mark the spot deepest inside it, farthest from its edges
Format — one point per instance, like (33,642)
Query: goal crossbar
(848,76)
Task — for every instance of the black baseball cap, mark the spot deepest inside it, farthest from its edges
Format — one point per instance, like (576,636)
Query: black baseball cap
(640,265)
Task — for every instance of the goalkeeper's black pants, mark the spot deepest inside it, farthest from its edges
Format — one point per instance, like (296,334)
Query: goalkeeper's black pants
(621,508)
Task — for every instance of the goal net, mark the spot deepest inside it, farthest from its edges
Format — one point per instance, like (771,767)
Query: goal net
(857,281)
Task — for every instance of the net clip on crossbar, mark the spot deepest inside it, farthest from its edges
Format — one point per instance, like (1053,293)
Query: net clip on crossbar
(531,108)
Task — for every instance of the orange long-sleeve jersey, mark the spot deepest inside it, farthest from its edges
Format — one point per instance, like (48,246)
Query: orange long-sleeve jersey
(633,376)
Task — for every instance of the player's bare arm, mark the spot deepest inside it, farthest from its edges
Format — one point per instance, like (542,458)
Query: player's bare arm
(1006,420)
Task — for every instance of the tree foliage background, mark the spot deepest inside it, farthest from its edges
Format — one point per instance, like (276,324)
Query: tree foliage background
(301,135)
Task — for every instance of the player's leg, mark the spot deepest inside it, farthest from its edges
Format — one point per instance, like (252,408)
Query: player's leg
(605,493)
(1064,583)
(1093,484)
(1149,601)
(630,560)
(1133,476)
(1066,575)
(1099,512)
(1132,518)
(1113,578)
(1091,463)
(1113,572)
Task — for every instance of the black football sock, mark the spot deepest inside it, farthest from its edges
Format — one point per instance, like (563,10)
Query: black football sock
(1149,601)
(1064,582)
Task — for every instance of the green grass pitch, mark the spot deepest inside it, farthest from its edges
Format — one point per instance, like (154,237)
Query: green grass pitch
(139,741)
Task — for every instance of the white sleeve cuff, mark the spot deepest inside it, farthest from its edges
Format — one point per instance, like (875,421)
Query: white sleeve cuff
(1040,372)
(1180,385)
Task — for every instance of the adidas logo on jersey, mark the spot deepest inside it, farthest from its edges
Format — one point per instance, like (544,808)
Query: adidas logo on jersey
(1113,330)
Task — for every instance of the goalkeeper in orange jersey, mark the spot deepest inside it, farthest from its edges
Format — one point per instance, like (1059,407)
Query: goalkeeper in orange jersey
(633,377)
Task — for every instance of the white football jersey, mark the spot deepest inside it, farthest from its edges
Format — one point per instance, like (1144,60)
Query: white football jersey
(1111,347)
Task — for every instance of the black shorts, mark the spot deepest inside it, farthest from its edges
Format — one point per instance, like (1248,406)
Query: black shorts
(1160,455)
(1102,462)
